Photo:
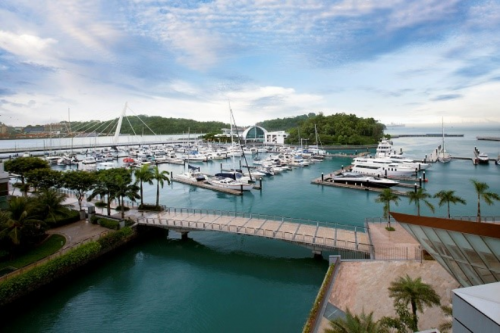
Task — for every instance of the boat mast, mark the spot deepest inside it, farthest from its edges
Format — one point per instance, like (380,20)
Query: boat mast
(442,132)
(239,145)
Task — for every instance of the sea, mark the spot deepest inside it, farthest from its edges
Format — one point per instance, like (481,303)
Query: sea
(217,282)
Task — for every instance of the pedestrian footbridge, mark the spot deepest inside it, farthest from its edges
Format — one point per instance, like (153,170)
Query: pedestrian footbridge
(318,236)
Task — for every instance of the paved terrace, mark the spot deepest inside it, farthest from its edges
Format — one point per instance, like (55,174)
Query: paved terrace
(362,285)
(315,235)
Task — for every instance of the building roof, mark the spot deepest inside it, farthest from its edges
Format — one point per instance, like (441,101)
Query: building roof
(466,227)
(485,298)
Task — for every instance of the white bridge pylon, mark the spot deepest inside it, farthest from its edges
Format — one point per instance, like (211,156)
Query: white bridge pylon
(119,125)
(120,121)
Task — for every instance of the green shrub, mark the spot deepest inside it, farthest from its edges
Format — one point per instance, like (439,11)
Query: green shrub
(100,204)
(150,207)
(94,219)
(110,224)
(390,229)
(113,238)
(317,302)
(45,273)
(71,216)
(4,255)
(119,208)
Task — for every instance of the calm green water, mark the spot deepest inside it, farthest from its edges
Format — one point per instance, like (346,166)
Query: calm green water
(224,283)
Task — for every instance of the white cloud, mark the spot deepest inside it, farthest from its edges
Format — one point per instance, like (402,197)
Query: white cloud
(28,47)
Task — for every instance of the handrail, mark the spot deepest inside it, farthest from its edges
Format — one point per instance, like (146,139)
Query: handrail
(184,211)
(297,237)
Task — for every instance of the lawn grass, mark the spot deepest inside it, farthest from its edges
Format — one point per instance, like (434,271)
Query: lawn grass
(50,246)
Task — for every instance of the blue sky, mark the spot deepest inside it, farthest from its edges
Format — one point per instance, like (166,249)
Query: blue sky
(394,60)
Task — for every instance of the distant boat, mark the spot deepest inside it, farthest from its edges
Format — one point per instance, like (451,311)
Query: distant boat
(480,158)
(394,125)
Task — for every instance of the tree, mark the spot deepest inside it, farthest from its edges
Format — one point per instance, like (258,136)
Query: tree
(386,196)
(406,290)
(104,187)
(44,178)
(125,189)
(160,177)
(81,182)
(488,197)
(20,224)
(49,203)
(420,195)
(402,323)
(355,324)
(22,165)
(143,174)
(448,197)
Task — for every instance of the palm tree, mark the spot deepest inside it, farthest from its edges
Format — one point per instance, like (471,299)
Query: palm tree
(448,325)
(50,203)
(488,197)
(124,189)
(448,197)
(355,324)
(143,174)
(160,177)
(420,195)
(406,291)
(386,196)
(20,224)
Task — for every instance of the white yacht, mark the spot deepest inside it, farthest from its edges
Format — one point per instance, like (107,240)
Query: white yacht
(230,183)
(381,167)
(353,178)
(384,149)
(89,160)
(105,166)
(193,174)
(408,162)
(480,158)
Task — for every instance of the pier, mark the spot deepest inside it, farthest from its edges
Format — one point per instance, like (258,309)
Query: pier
(488,138)
(432,135)
(326,180)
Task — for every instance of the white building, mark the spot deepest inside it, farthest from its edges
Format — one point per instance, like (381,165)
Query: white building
(277,137)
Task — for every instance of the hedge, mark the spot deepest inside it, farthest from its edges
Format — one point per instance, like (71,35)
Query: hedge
(73,216)
(317,302)
(24,283)
(108,223)
(110,240)
(150,207)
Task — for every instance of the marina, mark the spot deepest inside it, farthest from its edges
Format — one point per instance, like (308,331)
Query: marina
(176,280)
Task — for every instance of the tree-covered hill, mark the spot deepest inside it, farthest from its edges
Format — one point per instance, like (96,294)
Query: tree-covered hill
(145,124)
(284,124)
(338,128)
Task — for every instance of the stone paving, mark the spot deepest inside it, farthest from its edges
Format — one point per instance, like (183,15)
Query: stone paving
(363,285)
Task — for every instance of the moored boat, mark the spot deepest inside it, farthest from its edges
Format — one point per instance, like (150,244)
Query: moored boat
(353,178)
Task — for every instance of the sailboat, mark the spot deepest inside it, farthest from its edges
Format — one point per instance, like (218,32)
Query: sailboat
(233,179)
(442,155)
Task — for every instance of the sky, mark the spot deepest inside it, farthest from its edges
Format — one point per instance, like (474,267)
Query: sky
(397,61)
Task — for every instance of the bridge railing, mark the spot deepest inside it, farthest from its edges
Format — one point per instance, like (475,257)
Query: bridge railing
(298,237)
(277,218)
(488,219)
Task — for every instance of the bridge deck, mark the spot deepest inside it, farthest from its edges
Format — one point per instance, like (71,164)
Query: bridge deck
(316,236)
